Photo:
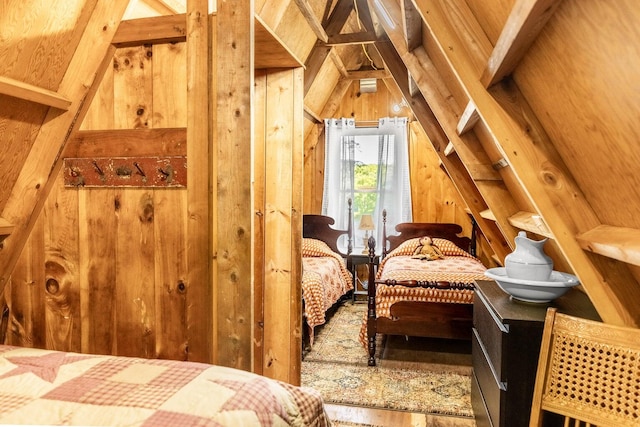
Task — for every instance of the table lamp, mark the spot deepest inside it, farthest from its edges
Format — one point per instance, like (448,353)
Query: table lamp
(366,224)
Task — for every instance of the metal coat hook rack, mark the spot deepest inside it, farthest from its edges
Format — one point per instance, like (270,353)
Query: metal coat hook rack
(150,171)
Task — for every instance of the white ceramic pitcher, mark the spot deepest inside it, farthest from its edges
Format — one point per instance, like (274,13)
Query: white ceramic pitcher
(528,261)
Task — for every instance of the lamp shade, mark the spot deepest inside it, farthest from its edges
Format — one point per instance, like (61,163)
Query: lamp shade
(366,222)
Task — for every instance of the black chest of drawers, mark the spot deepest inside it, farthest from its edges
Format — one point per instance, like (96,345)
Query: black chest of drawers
(505,347)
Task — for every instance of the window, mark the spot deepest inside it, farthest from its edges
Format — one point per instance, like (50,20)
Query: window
(369,165)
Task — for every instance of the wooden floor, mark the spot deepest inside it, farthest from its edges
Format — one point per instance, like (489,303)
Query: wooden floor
(385,418)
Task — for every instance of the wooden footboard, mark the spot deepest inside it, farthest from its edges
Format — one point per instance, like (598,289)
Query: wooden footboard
(420,319)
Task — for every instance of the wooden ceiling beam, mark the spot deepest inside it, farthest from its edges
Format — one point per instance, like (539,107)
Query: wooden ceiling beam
(314,63)
(364,15)
(540,172)
(320,51)
(352,38)
(368,74)
(339,17)
(454,166)
(412,25)
(526,20)
(337,61)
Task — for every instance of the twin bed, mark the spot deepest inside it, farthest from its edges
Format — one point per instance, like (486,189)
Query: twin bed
(414,296)
(409,295)
(325,278)
(45,387)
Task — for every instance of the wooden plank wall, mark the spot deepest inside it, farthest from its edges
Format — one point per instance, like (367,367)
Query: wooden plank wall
(278,173)
(112,260)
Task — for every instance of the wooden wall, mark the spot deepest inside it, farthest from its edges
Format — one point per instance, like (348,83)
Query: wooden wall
(277,274)
(113,260)
(112,269)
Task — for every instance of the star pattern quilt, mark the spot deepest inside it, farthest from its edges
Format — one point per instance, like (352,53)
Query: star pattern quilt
(43,387)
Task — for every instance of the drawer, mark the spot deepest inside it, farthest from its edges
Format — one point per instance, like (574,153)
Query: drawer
(480,411)
(493,391)
(491,332)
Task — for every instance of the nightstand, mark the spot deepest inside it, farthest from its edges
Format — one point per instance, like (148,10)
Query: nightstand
(358,263)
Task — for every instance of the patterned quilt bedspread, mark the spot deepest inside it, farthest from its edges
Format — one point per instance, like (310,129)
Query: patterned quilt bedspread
(457,267)
(42,387)
(325,279)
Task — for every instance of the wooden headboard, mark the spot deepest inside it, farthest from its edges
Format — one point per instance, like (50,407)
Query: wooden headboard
(410,230)
(319,227)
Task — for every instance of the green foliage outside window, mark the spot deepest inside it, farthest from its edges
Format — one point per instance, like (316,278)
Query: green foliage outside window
(366,194)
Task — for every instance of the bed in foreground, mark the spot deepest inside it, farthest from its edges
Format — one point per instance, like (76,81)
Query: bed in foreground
(417,295)
(44,387)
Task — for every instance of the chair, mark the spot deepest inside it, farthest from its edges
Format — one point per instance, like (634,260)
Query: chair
(588,373)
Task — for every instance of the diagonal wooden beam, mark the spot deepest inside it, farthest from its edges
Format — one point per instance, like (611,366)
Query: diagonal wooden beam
(339,17)
(364,15)
(540,171)
(352,38)
(320,52)
(314,63)
(454,167)
(412,24)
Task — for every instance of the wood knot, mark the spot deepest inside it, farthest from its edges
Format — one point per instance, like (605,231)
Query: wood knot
(52,286)
(182,287)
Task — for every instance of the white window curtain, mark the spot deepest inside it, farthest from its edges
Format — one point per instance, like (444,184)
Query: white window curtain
(394,192)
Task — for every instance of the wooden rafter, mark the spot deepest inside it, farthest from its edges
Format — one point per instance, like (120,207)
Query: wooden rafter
(454,167)
(320,51)
(412,24)
(352,38)
(442,130)
(541,174)
(339,17)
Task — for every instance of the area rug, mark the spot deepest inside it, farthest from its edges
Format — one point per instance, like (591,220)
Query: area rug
(337,367)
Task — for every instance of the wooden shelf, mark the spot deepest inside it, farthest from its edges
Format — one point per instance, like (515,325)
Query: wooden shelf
(487,214)
(33,93)
(270,52)
(5,229)
(530,222)
(619,243)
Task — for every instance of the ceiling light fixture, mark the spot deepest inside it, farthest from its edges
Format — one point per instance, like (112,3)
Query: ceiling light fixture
(368,85)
